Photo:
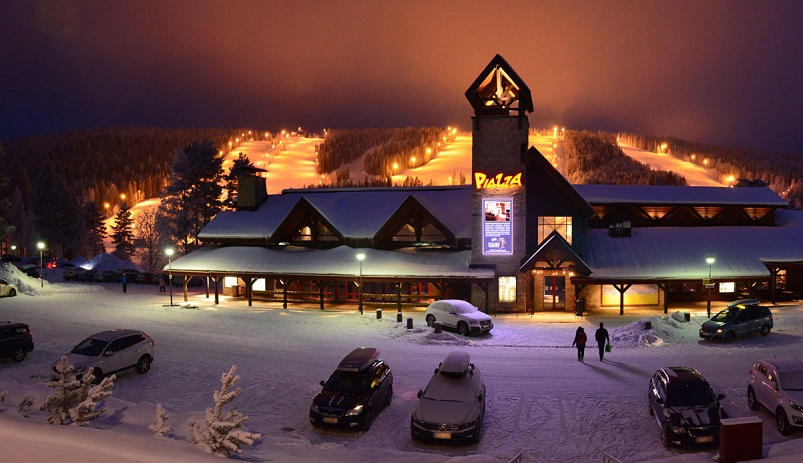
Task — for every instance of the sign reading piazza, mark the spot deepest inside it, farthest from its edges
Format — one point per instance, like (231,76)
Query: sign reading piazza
(497,181)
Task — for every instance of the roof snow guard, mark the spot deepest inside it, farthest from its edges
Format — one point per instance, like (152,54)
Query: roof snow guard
(499,91)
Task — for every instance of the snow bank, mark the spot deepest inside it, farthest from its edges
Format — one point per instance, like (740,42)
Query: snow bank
(667,328)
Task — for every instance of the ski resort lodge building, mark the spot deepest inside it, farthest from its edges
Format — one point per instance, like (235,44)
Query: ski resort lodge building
(520,238)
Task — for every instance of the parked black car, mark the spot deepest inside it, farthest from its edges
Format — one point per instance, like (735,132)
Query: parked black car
(359,388)
(15,340)
(740,318)
(685,407)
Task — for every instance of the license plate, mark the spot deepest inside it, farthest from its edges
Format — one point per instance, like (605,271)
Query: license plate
(327,419)
(705,439)
(442,435)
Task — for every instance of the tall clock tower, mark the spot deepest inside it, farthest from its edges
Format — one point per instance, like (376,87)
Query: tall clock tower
(500,129)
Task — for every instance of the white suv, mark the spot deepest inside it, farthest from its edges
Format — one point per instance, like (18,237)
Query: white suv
(109,352)
(461,315)
(777,384)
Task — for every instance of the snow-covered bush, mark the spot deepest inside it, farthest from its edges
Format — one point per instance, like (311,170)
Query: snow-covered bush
(3,395)
(220,433)
(160,426)
(74,400)
(25,405)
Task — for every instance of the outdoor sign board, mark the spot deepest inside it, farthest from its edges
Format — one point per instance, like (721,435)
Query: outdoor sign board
(497,229)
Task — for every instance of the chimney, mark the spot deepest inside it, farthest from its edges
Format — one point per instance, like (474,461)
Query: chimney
(252,190)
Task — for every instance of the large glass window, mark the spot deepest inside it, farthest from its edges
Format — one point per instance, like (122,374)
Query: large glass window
(507,289)
(547,225)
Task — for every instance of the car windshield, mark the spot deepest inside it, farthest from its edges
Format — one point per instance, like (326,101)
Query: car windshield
(450,389)
(690,395)
(464,308)
(90,347)
(791,380)
(347,382)
(726,315)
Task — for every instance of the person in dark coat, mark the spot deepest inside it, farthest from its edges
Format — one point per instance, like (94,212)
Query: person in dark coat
(580,339)
(602,337)
(124,282)
(162,284)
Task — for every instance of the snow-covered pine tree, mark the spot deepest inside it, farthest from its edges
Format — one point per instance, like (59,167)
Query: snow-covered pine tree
(87,410)
(221,433)
(160,426)
(58,404)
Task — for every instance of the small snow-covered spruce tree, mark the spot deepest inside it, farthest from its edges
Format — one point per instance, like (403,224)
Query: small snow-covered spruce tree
(221,432)
(58,404)
(87,409)
(160,426)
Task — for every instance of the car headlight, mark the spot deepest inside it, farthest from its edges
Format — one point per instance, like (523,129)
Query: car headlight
(313,408)
(719,330)
(678,429)
(354,411)
(795,406)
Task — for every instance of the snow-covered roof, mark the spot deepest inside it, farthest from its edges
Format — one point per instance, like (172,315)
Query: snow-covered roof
(340,261)
(680,252)
(354,212)
(702,195)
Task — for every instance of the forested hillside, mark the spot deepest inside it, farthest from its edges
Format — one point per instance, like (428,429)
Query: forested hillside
(782,171)
(595,158)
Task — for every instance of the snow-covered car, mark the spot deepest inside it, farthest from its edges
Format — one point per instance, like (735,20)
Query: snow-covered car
(777,384)
(360,386)
(7,288)
(460,315)
(685,407)
(15,340)
(110,352)
(740,318)
(452,406)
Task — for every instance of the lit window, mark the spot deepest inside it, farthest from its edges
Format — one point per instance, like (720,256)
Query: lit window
(547,225)
(507,289)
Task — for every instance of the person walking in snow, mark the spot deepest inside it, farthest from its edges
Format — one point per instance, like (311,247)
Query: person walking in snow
(602,337)
(162,284)
(580,339)
(124,282)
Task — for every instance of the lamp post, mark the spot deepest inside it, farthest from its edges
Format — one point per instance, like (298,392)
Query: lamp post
(41,247)
(360,257)
(710,261)
(169,252)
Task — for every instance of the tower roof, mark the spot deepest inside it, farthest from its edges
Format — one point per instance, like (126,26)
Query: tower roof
(498,90)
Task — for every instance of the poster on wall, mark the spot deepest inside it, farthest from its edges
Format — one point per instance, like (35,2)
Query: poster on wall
(497,230)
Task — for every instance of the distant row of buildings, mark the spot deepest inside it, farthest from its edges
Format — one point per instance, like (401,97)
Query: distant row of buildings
(520,238)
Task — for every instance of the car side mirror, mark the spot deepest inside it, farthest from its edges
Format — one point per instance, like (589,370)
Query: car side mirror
(720,396)
(420,393)
(323,382)
(108,353)
(479,398)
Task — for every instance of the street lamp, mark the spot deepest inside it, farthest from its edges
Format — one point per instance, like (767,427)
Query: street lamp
(360,257)
(41,247)
(710,261)
(169,252)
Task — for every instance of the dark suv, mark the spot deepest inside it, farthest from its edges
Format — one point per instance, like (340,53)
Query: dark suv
(15,340)
(360,387)
(685,406)
(740,318)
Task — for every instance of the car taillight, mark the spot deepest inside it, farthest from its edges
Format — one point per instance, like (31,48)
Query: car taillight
(151,339)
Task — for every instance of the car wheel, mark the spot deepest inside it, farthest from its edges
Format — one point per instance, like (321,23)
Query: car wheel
(751,399)
(765,330)
(143,364)
(462,328)
(367,418)
(19,354)
(12,292)
(783,422)
(729,336)
(389,398)
(431,321)
(649,405)
(98,375)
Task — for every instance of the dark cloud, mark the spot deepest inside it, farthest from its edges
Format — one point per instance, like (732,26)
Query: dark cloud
(723,72)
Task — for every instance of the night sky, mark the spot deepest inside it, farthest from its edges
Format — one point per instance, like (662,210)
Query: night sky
(718,72)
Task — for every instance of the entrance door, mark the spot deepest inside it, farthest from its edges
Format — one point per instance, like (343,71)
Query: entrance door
(554,292)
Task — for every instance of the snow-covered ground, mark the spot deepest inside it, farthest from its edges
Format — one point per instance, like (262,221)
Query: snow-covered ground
(695,175)
(542,402)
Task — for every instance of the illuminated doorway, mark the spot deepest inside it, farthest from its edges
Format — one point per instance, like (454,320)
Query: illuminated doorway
(554,292)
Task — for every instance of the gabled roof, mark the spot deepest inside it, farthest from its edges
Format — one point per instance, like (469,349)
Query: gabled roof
(555,250)
(691,195)
(497,85)
(352,212)
(534,157)
(678,253)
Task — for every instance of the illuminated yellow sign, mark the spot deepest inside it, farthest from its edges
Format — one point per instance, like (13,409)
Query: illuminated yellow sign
(497,181)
